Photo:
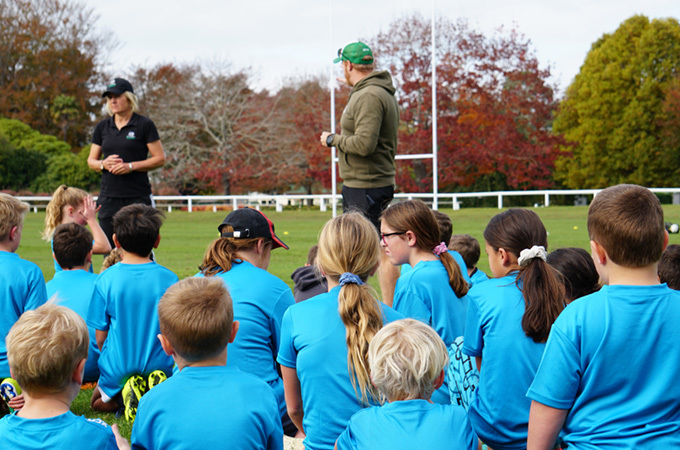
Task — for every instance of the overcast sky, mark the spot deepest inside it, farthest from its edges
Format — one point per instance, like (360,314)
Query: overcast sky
(284,38)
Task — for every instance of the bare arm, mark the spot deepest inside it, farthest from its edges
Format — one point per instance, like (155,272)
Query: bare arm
(100,336)
(95,163)
(155,160)
(545,424)
(101,242)
(293,392)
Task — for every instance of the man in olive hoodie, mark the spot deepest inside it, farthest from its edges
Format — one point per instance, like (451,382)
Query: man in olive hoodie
(368,141)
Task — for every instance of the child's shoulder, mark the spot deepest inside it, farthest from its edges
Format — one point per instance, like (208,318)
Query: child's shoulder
(18,263)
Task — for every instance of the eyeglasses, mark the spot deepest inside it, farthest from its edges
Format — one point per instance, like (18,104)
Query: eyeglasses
(384,235)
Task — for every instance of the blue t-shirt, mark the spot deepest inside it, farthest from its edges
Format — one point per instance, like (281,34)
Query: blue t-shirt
(409,424)
(66,431)
(424,293)
(259,300)
(313,341)
(125,302)
(208,407)
(478,276)
(613,359)
(499,412)
(73,289)
(456,257)
(22,288)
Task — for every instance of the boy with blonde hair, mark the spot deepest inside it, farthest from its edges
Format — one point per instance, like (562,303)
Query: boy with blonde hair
(407,360)
(608,377)
(22,286)
(123,313)
(239,410)
(47,351)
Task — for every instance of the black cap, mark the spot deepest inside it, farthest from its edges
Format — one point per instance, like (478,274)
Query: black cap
(250,223)
(118,86)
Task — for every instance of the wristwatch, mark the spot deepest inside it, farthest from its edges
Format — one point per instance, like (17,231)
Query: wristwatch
(329,140)
(101,165)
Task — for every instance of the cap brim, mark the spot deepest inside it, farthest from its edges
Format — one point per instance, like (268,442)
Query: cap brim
(337,60)
(113,91)
(279,243)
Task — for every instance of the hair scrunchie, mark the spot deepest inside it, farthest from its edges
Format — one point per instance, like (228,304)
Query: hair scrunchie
(441,248)
(526,255)
(350,278)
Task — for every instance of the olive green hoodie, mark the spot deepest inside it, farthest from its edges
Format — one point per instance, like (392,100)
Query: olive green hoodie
(368,141)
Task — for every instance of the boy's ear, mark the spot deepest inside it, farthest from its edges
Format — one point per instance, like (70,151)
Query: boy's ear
(79,372)
(115,241)
(439,381)
(166,345)
(158,241)
(13,232)
(234,329)
(665,239)
(598,253)
(88,258)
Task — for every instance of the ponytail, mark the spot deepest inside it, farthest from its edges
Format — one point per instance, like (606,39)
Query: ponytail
(521,232)
(62,196)
(222,253)
(456,280)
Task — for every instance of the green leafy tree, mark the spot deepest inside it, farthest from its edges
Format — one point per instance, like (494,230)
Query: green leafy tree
(69,169)
(21,135)
(616,116)
(19,167)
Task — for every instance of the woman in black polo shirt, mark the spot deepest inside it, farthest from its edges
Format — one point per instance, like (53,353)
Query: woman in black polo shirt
(124,148)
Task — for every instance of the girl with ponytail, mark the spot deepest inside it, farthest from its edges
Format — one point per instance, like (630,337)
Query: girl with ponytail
(434,290)
(508,322)
(324,340)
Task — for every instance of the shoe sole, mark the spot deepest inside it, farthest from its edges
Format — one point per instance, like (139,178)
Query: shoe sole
(133,391)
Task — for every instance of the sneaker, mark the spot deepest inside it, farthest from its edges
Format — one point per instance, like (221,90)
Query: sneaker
(9,389)
(133,390)
(155,378)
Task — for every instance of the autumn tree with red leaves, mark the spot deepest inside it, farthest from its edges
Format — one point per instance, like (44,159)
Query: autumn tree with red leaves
(495,107)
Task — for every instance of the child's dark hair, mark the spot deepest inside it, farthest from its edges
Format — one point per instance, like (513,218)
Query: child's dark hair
(445,226)
(669,266)
(515,230)
(577,272)
(137,227)
(311,255)
(416,216)
(468,247)
(71,243)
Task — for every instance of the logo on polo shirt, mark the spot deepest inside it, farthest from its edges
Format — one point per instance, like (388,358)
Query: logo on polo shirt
(131,135)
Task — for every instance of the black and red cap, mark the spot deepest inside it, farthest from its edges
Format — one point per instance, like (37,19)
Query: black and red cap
(250,223)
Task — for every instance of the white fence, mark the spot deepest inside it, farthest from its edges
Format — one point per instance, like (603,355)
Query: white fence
(323,201)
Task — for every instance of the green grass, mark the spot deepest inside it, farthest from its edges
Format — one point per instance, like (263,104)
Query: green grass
(186,235)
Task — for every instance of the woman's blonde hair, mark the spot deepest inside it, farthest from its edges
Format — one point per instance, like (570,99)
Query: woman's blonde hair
(406,358)
(62,196)
(222,253)
(131,98)
(349,244)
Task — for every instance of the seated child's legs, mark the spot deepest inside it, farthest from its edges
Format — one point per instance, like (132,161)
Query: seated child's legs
(102,402)
(462,375)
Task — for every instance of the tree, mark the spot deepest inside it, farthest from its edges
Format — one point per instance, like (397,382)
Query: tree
(494,103)
(618,111)
(50,50)
(219,135)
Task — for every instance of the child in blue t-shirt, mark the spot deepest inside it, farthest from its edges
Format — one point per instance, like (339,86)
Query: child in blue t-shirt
(407,360)
(123,313)
(669,267)
(47,351)
(240,257)
(73,285)
(468,247)
(434,290)
(207,404)
(609,373)
(508,322)
(324,340)
(22,286)
(576,271)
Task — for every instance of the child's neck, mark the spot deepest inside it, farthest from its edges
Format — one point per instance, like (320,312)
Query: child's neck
(630,276)
(419,255)
(45,406)
(133,258)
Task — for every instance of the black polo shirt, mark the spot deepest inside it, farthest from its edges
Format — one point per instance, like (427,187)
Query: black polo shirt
(130,143)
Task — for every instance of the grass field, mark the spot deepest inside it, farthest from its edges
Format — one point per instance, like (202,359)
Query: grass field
(186,235)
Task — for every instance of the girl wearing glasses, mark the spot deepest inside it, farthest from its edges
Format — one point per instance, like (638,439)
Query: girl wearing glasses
(434,290)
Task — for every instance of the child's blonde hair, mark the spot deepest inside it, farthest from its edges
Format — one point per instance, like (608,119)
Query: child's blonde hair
(12,213)
(44,346)
(196,315)
(114,257)
(349,244)
(222,253)
(62,196)
(406,358)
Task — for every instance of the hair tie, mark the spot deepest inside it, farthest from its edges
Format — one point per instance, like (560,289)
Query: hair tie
(441,248)
(526,255)
(350,278)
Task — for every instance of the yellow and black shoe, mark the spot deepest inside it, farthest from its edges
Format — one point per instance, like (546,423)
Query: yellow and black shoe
(155,378)
(133,390)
